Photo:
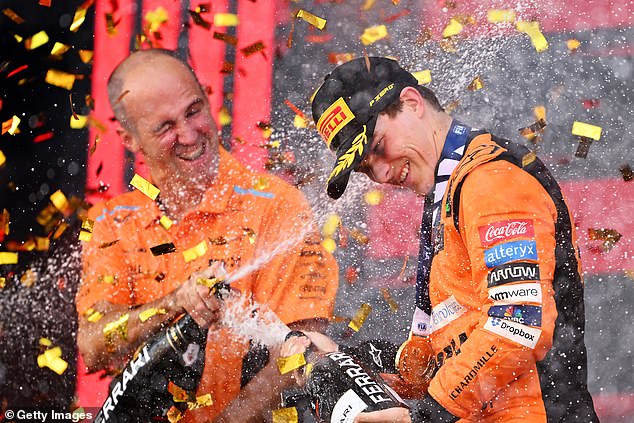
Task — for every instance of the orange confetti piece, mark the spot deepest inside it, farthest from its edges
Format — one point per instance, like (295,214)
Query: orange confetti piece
(253,48)
(476,84)
(227,38)
(9,13)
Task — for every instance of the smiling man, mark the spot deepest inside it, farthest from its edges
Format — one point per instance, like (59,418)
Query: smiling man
(210,201)
(499,294)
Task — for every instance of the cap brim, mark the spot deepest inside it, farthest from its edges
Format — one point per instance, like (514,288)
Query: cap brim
(337,184)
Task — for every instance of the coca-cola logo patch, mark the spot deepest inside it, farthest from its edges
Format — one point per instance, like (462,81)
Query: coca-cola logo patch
(505,230)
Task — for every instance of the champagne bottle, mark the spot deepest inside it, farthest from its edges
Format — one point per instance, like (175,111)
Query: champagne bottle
(339,385)
(140,393)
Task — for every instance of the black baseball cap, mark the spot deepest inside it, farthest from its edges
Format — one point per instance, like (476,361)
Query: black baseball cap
(346,106)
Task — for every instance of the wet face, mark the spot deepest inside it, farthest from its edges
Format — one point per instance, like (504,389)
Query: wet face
(402,152)
(172,123)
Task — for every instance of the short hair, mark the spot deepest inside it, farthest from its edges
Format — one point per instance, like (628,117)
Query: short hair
(118,75)
(397,105)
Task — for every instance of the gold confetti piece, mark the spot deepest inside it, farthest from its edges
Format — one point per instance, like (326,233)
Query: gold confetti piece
(13,16)
(369,4)
(261,183)
(476,84)
(201,401)
(253,48)
(78,123)
(454,27)
(11,125)
(159,250)
(165,222)
(51,358)
(540,113)
(37,40)
(199,20)
(210,282)
(59,49)
(42,243)
(59,200)
(3,158)
(373,34)
(85,236)
(195,252)
(609,237)
(88,225)
(290,363)
(93,147)
(60,230)
(224,118)
(151,312)
(373,197)
(29,278)
(227,38)
(3,282)
(329,245)
(528,159)
(179,394)
(314,20)
(145,186)
(626,173)
(174,414)
(85,55)
(250,233)
(390,301)
(299,122)
(586,130)
(359,236)
(60,79)
(423,77)
(46,342)
(8,257)
(501,15)
(80,16)
(155,18)
(534,132)
(532,30)
(629,274)
(330,225)
(93,316)
(4,222)
(226,19)
(573,45)
(360,317)
(117,327)
(289,414)
(107,279)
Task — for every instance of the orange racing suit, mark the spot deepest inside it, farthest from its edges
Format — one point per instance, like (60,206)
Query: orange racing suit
(506,295)
(237,225)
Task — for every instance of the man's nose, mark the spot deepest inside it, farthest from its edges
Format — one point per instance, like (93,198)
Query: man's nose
(378,170)
(187,133)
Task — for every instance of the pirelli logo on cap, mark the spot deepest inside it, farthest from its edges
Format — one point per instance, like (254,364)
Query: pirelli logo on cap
(334,119)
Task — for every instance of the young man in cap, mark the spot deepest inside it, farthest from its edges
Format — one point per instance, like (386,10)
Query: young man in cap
(499,291)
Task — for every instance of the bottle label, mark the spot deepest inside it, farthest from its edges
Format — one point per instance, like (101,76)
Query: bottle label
(191,354)
(347,408)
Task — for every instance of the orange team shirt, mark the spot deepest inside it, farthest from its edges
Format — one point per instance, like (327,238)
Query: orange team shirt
(237,224)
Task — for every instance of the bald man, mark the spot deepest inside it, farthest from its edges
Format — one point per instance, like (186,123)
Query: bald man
(164,115)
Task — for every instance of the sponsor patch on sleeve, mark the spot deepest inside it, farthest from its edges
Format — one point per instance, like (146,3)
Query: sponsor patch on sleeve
(525,314)
(505,230)
(510,251)
(517,293)
(513,272)
(516,332)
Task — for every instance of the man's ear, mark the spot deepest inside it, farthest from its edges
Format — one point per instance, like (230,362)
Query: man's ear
(128,139)
(411,98)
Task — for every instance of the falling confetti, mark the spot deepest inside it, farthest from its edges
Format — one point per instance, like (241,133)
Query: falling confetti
(373,34)
(314,20)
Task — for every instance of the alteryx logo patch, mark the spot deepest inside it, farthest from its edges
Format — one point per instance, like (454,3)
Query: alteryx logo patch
(524,314)
(510,251)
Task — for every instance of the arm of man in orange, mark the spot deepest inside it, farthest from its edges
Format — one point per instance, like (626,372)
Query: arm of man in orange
(105,289)
(299,286)
(502,350)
